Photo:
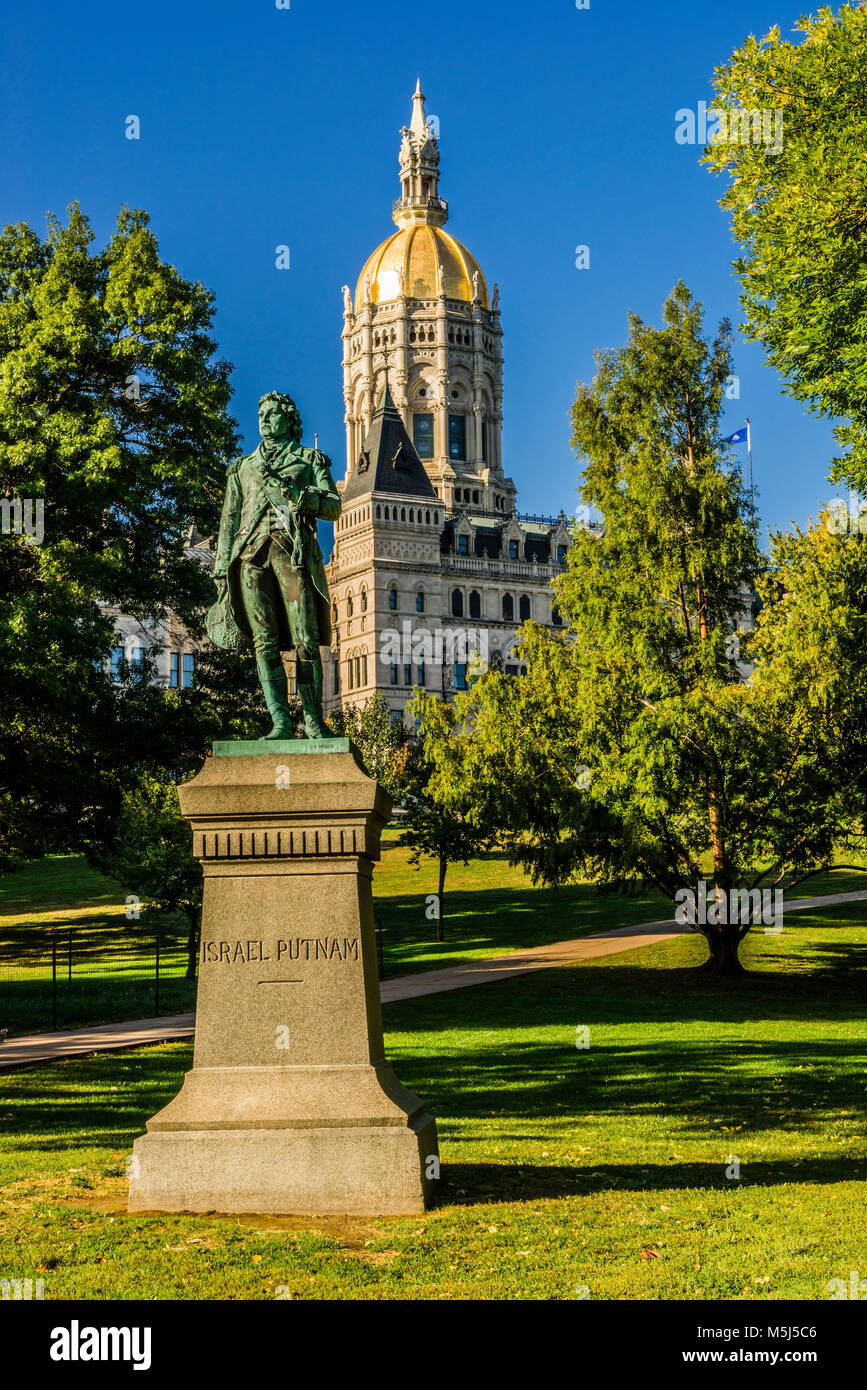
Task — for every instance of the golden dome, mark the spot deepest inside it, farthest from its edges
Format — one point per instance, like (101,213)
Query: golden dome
(416,250)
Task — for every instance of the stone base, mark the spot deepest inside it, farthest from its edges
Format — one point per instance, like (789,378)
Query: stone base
(330,1140)
(291,1106)
(364,1170)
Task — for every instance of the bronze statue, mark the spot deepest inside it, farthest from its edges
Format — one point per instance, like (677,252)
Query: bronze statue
(271,586)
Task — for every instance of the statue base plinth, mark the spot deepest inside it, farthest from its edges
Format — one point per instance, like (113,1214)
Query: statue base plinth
(291,1107)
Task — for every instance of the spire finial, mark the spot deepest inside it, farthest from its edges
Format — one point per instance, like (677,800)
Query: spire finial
(420,201)
(418,124)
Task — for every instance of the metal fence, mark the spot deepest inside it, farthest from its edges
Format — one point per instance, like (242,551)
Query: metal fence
(71,977)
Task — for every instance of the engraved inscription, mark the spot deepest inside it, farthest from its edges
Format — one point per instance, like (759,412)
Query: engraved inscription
(326,948)
(318,948)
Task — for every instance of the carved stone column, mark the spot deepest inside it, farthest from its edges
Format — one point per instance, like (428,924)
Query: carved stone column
(290,1106)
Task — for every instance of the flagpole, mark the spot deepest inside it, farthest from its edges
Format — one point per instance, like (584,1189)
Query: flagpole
(750,461)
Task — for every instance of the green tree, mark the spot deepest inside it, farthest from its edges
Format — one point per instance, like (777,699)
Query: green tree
(151,855)
(113,415)
(432,827)
(811,682)
(382,742)
(634,751)
(800,214)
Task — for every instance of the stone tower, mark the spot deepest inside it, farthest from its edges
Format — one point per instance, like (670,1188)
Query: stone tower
(422,304)
(429,538)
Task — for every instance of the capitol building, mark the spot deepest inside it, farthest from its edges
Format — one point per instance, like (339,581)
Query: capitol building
(433,569)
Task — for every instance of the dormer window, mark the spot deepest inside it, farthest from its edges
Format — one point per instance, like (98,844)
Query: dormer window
(463,545)
(513,550)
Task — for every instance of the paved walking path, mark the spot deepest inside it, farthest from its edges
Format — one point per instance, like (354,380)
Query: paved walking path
(50,1047)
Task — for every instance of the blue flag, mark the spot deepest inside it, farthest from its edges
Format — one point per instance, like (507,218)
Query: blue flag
(739,436)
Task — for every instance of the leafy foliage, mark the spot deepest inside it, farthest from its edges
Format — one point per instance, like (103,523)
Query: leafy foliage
(635,750)
(800,214)
(433,827)
(382,743)
(114,412)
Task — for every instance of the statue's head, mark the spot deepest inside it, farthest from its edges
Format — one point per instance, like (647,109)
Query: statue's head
(279,417)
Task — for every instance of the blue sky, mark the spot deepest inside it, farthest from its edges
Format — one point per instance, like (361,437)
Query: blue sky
(262,127)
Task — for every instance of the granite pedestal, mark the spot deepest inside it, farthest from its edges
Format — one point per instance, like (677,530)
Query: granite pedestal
(290,1106)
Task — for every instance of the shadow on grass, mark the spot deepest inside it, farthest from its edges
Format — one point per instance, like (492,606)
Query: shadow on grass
(466,1184)
(672,1055)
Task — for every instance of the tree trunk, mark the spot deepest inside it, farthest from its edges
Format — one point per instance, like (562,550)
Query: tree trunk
(440,891)
(723,960)
(192,946)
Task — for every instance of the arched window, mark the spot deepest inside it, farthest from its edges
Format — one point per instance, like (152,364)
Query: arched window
(411,516)
(475,605)
(403,513)
(427,518)
(508,608)
(364,600)
(457,603)
(334,612)
(349,604)
(524,607)
(419,601)
(378,512)
(392,600)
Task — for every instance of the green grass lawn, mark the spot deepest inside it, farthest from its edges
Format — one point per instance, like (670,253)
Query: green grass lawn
(563,1169)
(491,908)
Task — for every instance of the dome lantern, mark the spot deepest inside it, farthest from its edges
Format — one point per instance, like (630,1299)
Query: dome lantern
(421,309)
(419,171)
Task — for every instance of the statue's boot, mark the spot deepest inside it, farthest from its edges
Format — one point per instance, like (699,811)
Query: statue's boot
(310,694)
(272,678)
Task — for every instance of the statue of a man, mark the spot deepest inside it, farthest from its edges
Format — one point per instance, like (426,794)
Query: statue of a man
(269,573)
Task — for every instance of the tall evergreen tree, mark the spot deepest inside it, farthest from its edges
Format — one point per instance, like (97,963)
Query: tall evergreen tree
(634,751)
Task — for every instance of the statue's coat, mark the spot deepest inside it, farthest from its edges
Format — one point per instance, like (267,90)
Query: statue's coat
(256,490)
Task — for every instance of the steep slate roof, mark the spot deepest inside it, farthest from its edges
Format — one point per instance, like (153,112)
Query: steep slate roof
(388,461)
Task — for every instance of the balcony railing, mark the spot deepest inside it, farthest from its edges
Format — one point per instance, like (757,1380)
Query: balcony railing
(527,570)
(421,204)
